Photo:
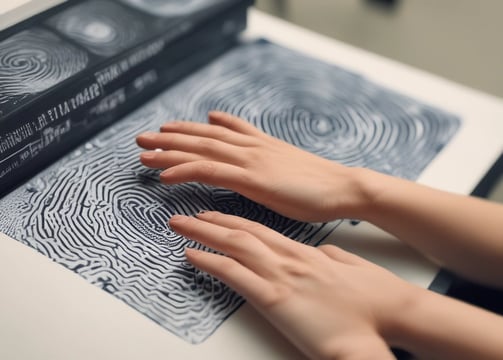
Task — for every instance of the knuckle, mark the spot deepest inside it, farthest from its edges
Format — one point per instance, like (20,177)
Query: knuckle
(278,295)
(230,265)
(205,144)
(248,178)
(218,132)
(205,169)
(238,235)
(295,270)
(224,265)
(253,227)
(254,157)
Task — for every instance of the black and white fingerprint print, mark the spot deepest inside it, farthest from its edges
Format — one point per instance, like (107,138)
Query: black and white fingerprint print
(324,109)
(102,215)
(101,26)
(33,61)
(173,8)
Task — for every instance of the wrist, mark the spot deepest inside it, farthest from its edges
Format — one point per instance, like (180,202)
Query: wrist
(438,327)
(365,188)
(400,326)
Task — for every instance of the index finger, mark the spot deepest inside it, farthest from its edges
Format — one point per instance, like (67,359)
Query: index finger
(238,244)
(207,131)
(235,123)
(244,281)
(276,241)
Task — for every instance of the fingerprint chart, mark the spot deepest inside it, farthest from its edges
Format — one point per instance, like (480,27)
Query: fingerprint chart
(323,109)
(103,27)
(33,61)
(101,214)
(173,8)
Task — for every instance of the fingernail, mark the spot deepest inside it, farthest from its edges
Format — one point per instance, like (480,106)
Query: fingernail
(191,252)
(148,135)
(177,219)
(149,155)
(166,173)
(169,125)
(200,212)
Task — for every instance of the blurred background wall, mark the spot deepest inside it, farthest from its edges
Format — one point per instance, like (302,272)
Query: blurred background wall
(457,39)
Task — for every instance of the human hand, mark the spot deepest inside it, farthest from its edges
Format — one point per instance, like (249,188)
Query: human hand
(231,153)
(329,303)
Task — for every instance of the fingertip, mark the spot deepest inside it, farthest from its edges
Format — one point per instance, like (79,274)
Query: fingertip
(216,113)
(176,220)
(206,213)
(191,253)
(147,135)
(336,253)
(216,116)
(145,138)
(166,175)
(165,127)
(139,140)
(169,126)
(147,156)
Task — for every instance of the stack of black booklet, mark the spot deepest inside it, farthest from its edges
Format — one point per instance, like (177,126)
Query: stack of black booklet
(69,72)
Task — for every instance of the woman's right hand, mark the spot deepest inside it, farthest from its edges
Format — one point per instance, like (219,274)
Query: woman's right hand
(329,303)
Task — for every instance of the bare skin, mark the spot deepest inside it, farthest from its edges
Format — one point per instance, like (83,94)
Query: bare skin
(355,302)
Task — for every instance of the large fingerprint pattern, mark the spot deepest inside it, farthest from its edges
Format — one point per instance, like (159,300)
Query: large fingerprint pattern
(173,8)
(33,61)
(101,214)
(103,27)
(324,109)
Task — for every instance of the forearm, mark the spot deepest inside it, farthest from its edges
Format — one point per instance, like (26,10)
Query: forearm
(437,327)
(462,233)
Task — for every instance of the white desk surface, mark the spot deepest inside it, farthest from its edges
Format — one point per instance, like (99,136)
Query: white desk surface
(48,312)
